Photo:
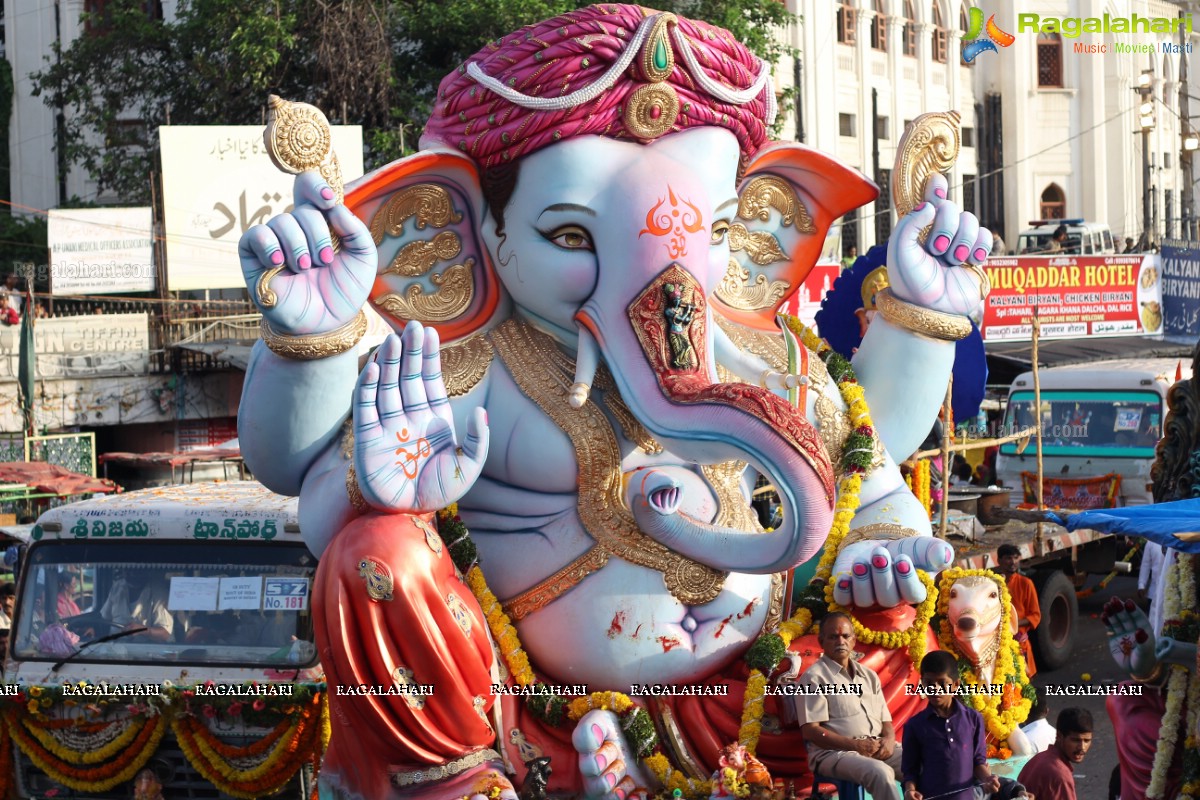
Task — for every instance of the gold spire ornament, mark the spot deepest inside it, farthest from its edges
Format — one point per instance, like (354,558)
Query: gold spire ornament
(929,145)
(298,139)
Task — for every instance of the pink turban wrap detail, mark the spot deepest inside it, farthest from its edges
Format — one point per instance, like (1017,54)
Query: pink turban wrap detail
(544,64)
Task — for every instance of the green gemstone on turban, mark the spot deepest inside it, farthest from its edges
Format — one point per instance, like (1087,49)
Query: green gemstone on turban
(660,55)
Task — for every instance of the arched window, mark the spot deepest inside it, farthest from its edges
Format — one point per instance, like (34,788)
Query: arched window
(879,28)
(847,23)
(1054,203)
(910,29)
(1049,60)
(940,35)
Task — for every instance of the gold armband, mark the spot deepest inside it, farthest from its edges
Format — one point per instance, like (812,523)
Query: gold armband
(314,346)
(354,492)
(1154,675)
(876,531)
(933,324)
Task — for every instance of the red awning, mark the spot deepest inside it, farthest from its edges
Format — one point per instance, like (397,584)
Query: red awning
(46,478)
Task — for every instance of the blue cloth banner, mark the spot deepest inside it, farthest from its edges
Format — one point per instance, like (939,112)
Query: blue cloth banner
(1158,522)
(1181,288)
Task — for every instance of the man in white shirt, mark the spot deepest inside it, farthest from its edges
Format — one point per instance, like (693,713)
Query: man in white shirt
(1037,729)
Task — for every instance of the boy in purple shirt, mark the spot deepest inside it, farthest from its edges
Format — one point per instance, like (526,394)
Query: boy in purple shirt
(945,747)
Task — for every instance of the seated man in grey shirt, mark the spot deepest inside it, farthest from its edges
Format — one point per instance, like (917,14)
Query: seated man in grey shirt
(848,728)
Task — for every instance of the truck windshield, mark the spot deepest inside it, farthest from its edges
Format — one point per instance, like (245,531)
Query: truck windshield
(230,604)
(1087,423)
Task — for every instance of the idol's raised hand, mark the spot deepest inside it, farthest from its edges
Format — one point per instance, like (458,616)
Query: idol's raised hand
(407,456)
(944,272)
(298,281)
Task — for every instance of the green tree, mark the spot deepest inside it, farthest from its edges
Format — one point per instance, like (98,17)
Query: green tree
(371,62)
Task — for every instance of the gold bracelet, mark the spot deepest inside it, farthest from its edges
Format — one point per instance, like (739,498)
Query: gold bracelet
(1154,675)
(314,346)
(922,321)
(354,492)
(878,530)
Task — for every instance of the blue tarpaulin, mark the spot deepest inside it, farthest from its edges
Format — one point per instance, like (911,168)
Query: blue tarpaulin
(1158,522)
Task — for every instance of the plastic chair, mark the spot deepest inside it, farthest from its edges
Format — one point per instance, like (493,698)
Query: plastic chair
(846,789)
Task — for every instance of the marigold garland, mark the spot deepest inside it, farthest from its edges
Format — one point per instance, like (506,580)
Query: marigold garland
(671,779)
(913,639)
(95,779)
(284,759)
(547,706)
(1004,712)
(132,726)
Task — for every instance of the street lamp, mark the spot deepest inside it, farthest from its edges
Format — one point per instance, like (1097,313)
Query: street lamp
(1191,142)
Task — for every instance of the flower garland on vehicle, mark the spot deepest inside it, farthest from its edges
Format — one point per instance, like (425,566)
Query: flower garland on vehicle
(1179,610)
(551,708)
(61,764)
(99,749)
(279,755)
(1004,712)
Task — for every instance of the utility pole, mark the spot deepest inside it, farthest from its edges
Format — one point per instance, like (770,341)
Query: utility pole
(1145,88)
(1187,198)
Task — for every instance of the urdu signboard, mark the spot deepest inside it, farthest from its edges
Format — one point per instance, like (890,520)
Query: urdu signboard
(218,182)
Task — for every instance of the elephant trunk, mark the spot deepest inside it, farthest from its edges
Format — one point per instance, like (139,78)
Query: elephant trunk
(659,350)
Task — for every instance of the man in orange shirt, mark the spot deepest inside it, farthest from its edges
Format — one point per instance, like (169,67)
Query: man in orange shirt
(1024,600)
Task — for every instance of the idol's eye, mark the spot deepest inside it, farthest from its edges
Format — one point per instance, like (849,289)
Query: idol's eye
(719,231)
(570,237)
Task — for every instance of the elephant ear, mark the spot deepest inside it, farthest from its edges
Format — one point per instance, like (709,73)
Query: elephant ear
(425,213)
(789,197)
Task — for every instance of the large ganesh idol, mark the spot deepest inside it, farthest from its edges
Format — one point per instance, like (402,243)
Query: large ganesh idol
(585,262)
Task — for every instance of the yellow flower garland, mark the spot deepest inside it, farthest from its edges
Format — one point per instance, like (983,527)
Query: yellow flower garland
(672,779)
(1001,713)
(604,701)
(913,638)
(131,769)
(97,756)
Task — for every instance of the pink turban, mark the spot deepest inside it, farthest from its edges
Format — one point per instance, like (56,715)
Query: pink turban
(620,71)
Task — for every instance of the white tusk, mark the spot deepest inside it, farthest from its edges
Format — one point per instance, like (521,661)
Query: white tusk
(587,361)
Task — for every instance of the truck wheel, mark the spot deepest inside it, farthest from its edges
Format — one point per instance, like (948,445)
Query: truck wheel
(1054,637)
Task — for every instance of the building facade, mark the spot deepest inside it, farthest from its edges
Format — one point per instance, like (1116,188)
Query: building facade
(1052,123)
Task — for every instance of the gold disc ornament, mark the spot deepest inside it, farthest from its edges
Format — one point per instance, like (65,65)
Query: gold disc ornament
(298,139)
(651,110)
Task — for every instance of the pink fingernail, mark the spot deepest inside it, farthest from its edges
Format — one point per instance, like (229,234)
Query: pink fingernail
(980,254)
(880,562)
(940,193)
(277,258)
(327,193)
(947,554)
(598,733)
(843,584)
(902,567)
(941,242)
(918,208)
(304,261)
(601,762)
(485,417)
(327,255)
(961,252)
(860,569)
(620,794)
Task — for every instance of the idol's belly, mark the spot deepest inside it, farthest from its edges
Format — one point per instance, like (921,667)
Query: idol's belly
(621,627)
